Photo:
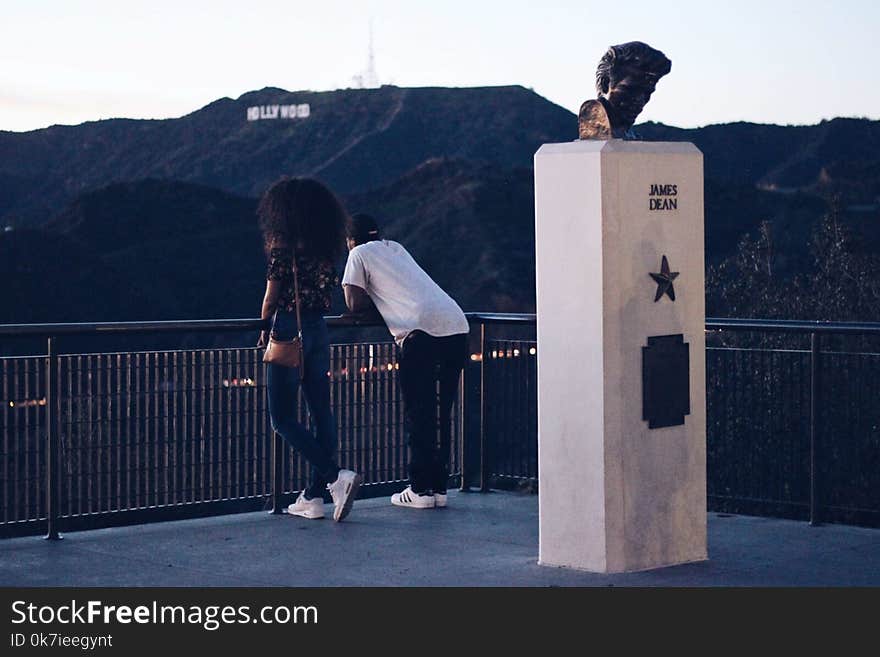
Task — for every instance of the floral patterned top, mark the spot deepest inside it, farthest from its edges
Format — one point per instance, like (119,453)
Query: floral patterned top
(317,280)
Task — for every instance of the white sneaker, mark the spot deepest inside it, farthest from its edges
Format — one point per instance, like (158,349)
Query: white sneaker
(440,500)
(313,508)
(343,491)
(408,498)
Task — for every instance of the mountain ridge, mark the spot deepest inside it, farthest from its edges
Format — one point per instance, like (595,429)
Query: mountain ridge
(362,139)
(353,139)
(158,216)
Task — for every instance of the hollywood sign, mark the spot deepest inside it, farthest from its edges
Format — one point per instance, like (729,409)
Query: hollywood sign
(260,112)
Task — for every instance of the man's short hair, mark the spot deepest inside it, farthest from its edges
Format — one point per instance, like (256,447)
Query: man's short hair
(362,228)
(649,62)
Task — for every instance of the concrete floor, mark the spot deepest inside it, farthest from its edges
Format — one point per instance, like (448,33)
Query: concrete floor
(479,540)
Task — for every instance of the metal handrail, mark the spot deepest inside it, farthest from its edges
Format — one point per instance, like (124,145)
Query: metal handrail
(108,328)
(792,326)
(501,318)
(215,325)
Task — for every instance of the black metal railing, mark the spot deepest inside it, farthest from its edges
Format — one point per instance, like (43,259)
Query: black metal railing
(487,436)
(94,439)
(801,437)
(98,439)
(793,417)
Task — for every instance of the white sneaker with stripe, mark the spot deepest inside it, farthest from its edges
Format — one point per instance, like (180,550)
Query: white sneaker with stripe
(413,500)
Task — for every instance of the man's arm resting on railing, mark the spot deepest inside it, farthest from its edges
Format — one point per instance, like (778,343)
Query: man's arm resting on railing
(357,299)
(270,300)
(359,303)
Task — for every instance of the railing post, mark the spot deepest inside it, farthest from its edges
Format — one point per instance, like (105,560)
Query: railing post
(815,446)
(277,488)
(470,419)
(484,438)
(52,442)
(277,462)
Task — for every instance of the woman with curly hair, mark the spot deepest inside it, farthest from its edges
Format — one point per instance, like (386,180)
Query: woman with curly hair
(303,227)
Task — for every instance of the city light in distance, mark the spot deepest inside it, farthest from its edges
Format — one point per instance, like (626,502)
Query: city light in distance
(505,353)
(239,383)
(27,403)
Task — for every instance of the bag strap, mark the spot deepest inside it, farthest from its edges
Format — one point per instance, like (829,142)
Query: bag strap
(296,297)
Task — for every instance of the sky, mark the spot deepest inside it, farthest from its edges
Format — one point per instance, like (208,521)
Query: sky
(771,61)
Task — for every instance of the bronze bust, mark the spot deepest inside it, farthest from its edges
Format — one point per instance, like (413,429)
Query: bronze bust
(625,80)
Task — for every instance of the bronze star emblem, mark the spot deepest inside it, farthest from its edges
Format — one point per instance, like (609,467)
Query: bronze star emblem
(664,280)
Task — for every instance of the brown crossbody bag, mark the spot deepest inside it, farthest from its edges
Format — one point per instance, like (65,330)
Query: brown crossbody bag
(288,353)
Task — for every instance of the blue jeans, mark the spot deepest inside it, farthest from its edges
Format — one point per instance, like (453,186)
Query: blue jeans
(283,383)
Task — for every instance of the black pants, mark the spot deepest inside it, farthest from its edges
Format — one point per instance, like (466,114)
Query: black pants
(425,362)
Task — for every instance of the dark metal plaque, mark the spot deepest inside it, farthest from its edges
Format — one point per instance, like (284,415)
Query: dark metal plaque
(666,396)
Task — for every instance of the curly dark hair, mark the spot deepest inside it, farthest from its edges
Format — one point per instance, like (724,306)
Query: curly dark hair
(303,213)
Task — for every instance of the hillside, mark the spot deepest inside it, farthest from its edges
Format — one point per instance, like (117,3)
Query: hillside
(132,251)
(362,139)
(353,139)
(786,157)
(470,226)
(151,249)
(52,278)
(155,219)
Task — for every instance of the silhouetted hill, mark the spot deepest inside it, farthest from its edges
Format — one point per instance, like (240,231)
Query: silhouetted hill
(152,250)
(361,139)
(155,219)
(781,157)
(49,277)
(732,210)
(354,139)
(138,251)
(784,175)
(125,215)
(471,227)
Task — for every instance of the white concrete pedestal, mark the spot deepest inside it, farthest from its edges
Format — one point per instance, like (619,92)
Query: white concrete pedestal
(614,494)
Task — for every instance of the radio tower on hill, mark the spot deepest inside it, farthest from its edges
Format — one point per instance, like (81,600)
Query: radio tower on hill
(369,79)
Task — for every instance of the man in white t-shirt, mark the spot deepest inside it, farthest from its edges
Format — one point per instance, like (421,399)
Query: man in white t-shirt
(431,331)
